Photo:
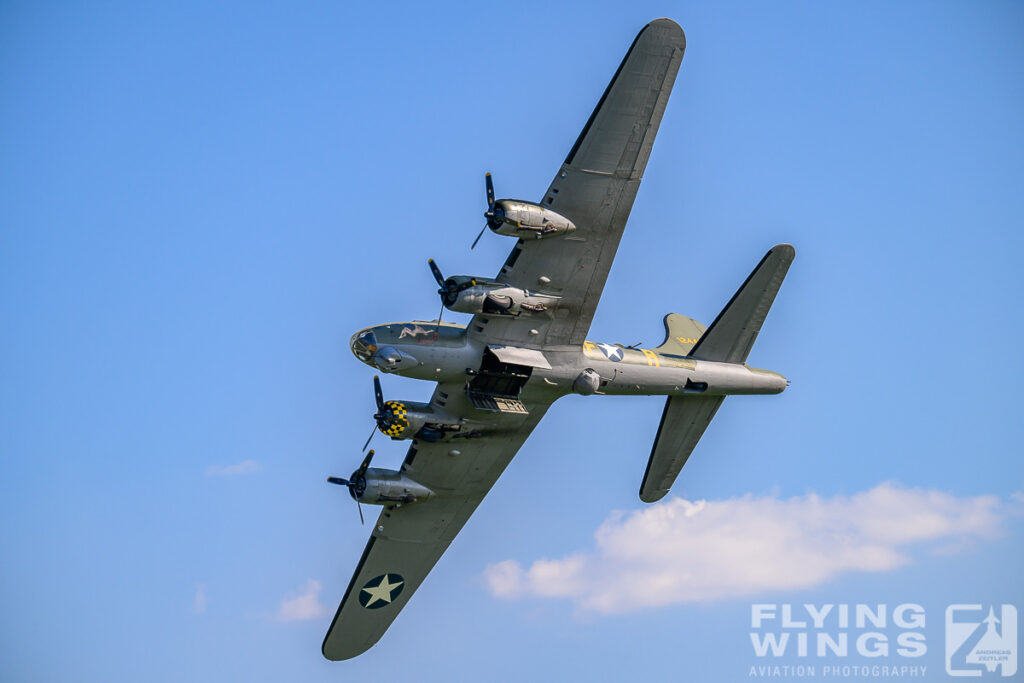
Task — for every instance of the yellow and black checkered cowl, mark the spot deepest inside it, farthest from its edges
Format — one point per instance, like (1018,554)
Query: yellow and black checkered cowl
(395,420)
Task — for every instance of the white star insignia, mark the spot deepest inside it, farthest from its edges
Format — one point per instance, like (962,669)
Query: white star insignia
(382,591)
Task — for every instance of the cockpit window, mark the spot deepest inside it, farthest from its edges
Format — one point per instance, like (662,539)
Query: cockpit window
(365,345)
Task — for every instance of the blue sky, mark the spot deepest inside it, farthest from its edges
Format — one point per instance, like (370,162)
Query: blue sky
(198,206)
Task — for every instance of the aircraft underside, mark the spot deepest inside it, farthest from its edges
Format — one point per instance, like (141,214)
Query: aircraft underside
(526,346)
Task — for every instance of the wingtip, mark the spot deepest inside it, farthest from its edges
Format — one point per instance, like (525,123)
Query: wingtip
(667,24)
(334,656)
(652,496)
(665,21)
(339,652)
(785,249)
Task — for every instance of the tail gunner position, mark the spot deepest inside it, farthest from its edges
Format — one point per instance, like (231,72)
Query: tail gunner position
(526,346)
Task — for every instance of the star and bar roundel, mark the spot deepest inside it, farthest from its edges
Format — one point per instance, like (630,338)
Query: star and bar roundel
(381,591)
(612,353)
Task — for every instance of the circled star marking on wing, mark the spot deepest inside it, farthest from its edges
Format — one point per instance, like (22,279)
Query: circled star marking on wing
(382,591)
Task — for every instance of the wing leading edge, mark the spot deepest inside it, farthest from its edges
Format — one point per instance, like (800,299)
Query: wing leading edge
(405,545)
(408,541)
(595,188)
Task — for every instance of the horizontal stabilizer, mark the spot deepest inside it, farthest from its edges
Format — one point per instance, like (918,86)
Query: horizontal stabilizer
(732,334)
(682,424)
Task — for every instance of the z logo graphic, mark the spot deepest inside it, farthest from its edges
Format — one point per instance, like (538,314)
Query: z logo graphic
(976,644)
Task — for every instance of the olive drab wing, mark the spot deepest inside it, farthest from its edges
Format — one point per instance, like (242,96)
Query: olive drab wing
(594,188)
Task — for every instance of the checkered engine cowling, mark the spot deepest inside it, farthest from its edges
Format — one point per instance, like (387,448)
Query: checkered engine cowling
(399,422)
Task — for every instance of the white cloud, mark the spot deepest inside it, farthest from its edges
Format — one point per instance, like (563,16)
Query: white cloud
(199,601)
(306,605)
(681,551)
(239,468)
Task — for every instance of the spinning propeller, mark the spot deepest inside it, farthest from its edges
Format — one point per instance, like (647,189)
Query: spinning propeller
(449,289)
(384,415)
(356,482)
(494,213)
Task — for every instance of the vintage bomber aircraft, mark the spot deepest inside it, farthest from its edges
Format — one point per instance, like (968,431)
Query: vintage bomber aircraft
(526,347)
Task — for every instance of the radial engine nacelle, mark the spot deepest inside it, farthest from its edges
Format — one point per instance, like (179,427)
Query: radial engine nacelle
(410,419)
(495,298)
(378,486)
(384,487)
(467,294)
(519,218)
(401,419)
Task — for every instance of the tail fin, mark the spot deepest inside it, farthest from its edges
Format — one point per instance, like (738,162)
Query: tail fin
(732,334)
(681,333)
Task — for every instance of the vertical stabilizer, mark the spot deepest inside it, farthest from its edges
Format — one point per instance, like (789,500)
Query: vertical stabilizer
(681,333)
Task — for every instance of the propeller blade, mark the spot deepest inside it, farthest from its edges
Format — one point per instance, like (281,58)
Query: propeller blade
(377,393)
(465,285)
(363,466)
(437,273)
(360,506)
(482,231)
(437,327)
(490,192)
(370,438)
(339,481)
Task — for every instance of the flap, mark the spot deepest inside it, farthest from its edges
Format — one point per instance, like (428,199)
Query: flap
(517,356)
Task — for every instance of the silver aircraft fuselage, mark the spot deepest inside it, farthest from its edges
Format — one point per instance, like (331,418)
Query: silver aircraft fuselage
(447,353)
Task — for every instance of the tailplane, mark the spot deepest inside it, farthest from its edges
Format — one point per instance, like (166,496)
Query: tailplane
(732,334)
(682,424)
(728,340)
